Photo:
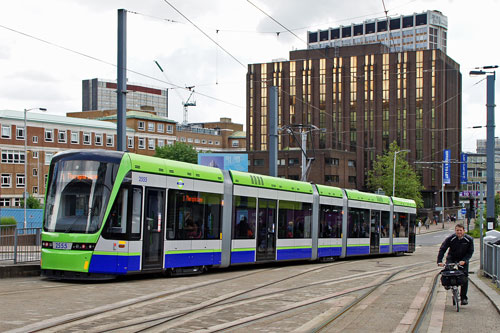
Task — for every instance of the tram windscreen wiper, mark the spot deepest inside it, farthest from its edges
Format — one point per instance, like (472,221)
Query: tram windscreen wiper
(77,218)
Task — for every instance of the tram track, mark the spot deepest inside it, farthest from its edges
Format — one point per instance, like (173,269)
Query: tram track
(160,320)
(156,297)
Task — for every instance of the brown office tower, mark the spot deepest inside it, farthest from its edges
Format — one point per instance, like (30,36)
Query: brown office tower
(360,98)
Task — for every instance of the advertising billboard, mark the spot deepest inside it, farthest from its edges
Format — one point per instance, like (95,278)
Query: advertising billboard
(238,162)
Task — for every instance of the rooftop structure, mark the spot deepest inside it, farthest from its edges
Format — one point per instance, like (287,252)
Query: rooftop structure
(98,94)
(424,31)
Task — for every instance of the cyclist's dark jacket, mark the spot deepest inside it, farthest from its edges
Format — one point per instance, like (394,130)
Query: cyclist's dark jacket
(460,249)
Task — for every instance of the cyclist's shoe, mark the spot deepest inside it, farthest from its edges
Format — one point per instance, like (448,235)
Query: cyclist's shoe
(464,301)
(447,287)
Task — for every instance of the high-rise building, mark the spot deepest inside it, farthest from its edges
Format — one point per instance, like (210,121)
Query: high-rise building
(100,94)
(424,31)
(361,98)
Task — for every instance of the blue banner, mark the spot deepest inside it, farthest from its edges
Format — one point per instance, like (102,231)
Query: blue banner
(463,168)
(446,167)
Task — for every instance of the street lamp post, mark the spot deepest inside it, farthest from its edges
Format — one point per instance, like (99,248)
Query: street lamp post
(394,169)
(490,141)
(26,160)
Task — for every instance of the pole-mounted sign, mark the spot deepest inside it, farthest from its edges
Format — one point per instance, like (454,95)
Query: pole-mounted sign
(463,168)
(446,167)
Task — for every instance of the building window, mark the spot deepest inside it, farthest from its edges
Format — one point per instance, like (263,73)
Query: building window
(281,162)
(258,162)
(183,139)
(210,142)
(20,180)
(352,179)
(170,129)
(331,161)
(6,180)
(75,137)
(49,135)
(6,131)
(151,144)
(235,143)
(190,139)
(62,136)
(35,172)
(45,177)
(19,133)
(87,139)
(141,126)
(161,143)
(170,142)
(351,163)
(160,128)
(110,140)
(13,156)
(4,202)
(48,157)
(151,127)
(17,202)
(204,142)
(217,143)
(35,139)
(98,139)
(142,143)
(332,178)
(196,140)
(293,161)
(35,154)
(130,142)
(34,190)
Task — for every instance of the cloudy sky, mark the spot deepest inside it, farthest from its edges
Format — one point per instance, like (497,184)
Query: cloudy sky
(48,47)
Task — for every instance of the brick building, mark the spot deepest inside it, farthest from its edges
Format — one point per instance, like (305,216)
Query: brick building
(363,98)
(48,134)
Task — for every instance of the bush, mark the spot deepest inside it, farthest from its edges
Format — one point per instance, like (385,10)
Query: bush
(10,220)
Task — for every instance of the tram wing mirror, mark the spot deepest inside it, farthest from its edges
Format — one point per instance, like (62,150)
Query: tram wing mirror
(127,180)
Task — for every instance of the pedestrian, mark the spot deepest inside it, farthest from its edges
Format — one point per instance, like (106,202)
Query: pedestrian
(426,223)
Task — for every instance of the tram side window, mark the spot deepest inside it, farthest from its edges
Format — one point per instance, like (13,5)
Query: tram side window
(357,223)
(385,224)
(400,225)
(193,215)
(244,217)
(330,222)
(124,220)
(294,219)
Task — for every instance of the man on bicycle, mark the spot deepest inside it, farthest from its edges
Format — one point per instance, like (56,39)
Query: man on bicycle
(461,249)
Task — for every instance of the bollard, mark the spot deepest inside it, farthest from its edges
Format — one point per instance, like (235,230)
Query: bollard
(15,245)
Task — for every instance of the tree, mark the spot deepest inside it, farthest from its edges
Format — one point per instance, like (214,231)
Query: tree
(407,184)
(179,151)
(32,203)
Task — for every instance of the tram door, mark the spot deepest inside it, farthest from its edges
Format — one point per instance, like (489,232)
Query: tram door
(154,222)
(266,230)
(412,236)
(375,232)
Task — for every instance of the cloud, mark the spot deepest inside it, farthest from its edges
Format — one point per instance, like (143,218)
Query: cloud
(4,52)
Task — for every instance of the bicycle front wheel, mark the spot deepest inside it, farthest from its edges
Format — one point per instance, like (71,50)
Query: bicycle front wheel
(456,303)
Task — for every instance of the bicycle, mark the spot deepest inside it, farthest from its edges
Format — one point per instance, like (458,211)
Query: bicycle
(451,278)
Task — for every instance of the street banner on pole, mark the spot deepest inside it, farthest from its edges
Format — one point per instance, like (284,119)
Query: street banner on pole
(463,168)
(446,167)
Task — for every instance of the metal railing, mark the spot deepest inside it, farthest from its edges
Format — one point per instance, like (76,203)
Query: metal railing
(491,266)
(20,245)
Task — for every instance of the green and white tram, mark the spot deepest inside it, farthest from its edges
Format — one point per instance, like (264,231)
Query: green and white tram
(116,213)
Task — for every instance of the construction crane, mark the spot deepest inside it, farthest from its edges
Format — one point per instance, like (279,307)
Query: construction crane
(185,104)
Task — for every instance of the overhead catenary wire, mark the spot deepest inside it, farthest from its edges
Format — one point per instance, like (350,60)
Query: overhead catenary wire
(204,33)
(114,65)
